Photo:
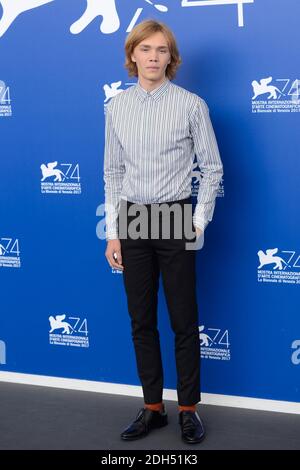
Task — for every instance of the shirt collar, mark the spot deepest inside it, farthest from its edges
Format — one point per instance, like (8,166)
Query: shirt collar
(155,94)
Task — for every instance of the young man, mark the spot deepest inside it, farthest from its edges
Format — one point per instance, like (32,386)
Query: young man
(153,131)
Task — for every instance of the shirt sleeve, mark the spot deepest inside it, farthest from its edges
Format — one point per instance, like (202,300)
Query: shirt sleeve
(209,161)
(114,170)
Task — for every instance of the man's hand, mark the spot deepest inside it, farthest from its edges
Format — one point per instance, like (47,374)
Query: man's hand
(198,231)
(114,248)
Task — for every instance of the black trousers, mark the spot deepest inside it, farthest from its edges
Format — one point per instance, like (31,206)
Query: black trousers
(144,260)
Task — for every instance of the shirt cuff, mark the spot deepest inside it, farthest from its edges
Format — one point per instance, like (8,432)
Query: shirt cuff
(199,223)
(112,235)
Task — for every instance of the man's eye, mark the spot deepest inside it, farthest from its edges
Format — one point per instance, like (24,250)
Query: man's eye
(145,50)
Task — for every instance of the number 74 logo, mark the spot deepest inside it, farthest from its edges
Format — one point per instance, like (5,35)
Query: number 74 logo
(217,337)
(203,3)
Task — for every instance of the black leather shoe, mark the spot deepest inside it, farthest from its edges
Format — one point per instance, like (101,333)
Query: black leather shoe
(145,421)
(192,429)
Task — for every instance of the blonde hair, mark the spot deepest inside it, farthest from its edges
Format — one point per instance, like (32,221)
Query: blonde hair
(142,31)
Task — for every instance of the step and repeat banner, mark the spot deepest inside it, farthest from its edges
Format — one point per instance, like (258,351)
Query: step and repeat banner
(63,310)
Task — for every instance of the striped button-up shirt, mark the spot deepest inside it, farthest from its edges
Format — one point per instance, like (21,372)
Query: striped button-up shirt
(151,139)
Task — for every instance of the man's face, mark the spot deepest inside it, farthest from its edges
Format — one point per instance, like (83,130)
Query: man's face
(152,52)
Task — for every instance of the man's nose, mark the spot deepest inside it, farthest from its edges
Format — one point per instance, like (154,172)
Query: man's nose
(154,57)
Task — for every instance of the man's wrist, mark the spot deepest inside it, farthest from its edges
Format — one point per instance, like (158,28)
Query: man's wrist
(199,225)
(112,236)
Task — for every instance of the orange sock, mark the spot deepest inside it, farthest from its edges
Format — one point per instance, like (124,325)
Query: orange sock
(154,406)
(186,408)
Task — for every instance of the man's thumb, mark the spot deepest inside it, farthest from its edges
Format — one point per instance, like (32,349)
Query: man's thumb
(119,257)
